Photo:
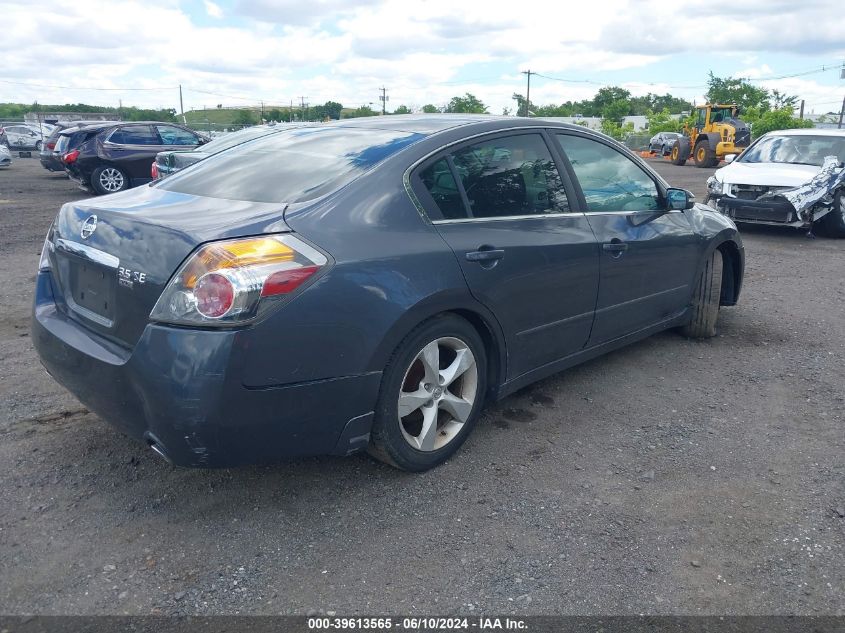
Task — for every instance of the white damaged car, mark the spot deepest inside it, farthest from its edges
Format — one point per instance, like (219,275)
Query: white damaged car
(787,178)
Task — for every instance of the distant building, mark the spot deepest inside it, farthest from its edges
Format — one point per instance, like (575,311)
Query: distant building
(34,118)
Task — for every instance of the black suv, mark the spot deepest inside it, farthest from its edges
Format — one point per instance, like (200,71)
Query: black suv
(106,158)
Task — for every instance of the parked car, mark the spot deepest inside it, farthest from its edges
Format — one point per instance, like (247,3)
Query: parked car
(49,157)
(368,284)
(167,163)
(118,155)
(5,156)
(20,136)
(787,178)
(661,143)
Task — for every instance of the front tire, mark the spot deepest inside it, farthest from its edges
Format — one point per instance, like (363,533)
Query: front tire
(705,299)
(38,146)
(680,152)
(704,155)
(833,224)
(109,179)
(432,392)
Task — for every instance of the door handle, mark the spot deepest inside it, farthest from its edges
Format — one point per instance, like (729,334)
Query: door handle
(485,255)
(615,246)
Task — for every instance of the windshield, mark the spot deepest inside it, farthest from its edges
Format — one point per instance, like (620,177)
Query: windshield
(293,166)
(801,150)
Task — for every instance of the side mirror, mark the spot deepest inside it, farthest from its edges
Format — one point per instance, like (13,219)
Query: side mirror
(679,199)
(729,158)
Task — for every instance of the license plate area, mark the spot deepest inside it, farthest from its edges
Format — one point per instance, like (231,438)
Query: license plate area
(92,290)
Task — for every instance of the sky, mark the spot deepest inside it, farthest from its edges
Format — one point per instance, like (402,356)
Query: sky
(242,52)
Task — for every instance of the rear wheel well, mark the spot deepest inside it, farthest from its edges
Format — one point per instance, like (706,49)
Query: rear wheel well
(730,273)
(491,346)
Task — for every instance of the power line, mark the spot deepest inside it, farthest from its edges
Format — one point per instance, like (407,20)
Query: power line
(32,85)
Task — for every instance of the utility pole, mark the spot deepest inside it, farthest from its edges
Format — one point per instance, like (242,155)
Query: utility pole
(262,111)
(801,114)
(384,99)
(528,93)
(181,106)
(302,105)
(290,112)
(842,109)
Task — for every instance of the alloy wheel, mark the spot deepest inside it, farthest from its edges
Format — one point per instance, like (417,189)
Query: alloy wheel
(111,179)
(438,394)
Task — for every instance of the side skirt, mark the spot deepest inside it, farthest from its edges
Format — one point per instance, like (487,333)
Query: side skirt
(588,354)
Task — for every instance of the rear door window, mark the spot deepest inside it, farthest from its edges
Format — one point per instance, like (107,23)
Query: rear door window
(510,176)
(134,135)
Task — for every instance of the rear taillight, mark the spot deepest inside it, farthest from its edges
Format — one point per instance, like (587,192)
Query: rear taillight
(154,171)
(71,157)
(235,281)
(51,146)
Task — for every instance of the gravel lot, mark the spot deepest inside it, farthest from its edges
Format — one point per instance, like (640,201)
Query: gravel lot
(672,477)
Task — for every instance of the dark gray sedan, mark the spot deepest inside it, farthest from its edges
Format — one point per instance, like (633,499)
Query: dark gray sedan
(368,285)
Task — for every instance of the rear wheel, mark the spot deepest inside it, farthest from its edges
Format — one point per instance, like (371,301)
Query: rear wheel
(37,146)
(431,395)
(705,299)
(704,155)
(680,152)
(109,179)
(833,224)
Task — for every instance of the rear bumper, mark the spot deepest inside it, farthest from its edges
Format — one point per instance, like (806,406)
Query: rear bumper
(180,391)
(51,161)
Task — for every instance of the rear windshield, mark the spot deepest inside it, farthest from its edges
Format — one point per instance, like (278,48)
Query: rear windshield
(236,138)
(293,166)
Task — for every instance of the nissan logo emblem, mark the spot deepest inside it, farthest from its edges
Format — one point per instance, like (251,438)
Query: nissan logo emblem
(88,227)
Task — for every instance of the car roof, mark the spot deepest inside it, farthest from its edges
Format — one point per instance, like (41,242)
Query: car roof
(430,124)
(811,131)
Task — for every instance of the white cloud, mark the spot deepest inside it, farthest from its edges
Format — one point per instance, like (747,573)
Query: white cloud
(213,10)
(276,50)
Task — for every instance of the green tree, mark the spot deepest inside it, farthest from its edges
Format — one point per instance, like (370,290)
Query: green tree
(770,120)
(332,109)
(467,103)
(739,91)
(523,107)
(616,110)
(781,100)
(616,130)
(609,95)
(402,109)
(244,117)
(662,121)
(364,110)
(430,109)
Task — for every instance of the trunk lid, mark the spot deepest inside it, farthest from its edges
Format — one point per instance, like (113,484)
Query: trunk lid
(113,256)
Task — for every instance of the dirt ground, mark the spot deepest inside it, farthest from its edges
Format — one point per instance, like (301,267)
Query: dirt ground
(671,477)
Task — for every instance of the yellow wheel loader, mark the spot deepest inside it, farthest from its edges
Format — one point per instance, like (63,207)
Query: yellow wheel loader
(717,132)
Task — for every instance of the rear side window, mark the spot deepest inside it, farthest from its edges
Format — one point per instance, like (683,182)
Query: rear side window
(293,166)
(610,180)
(438,180)
(171,135)
(134,135)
